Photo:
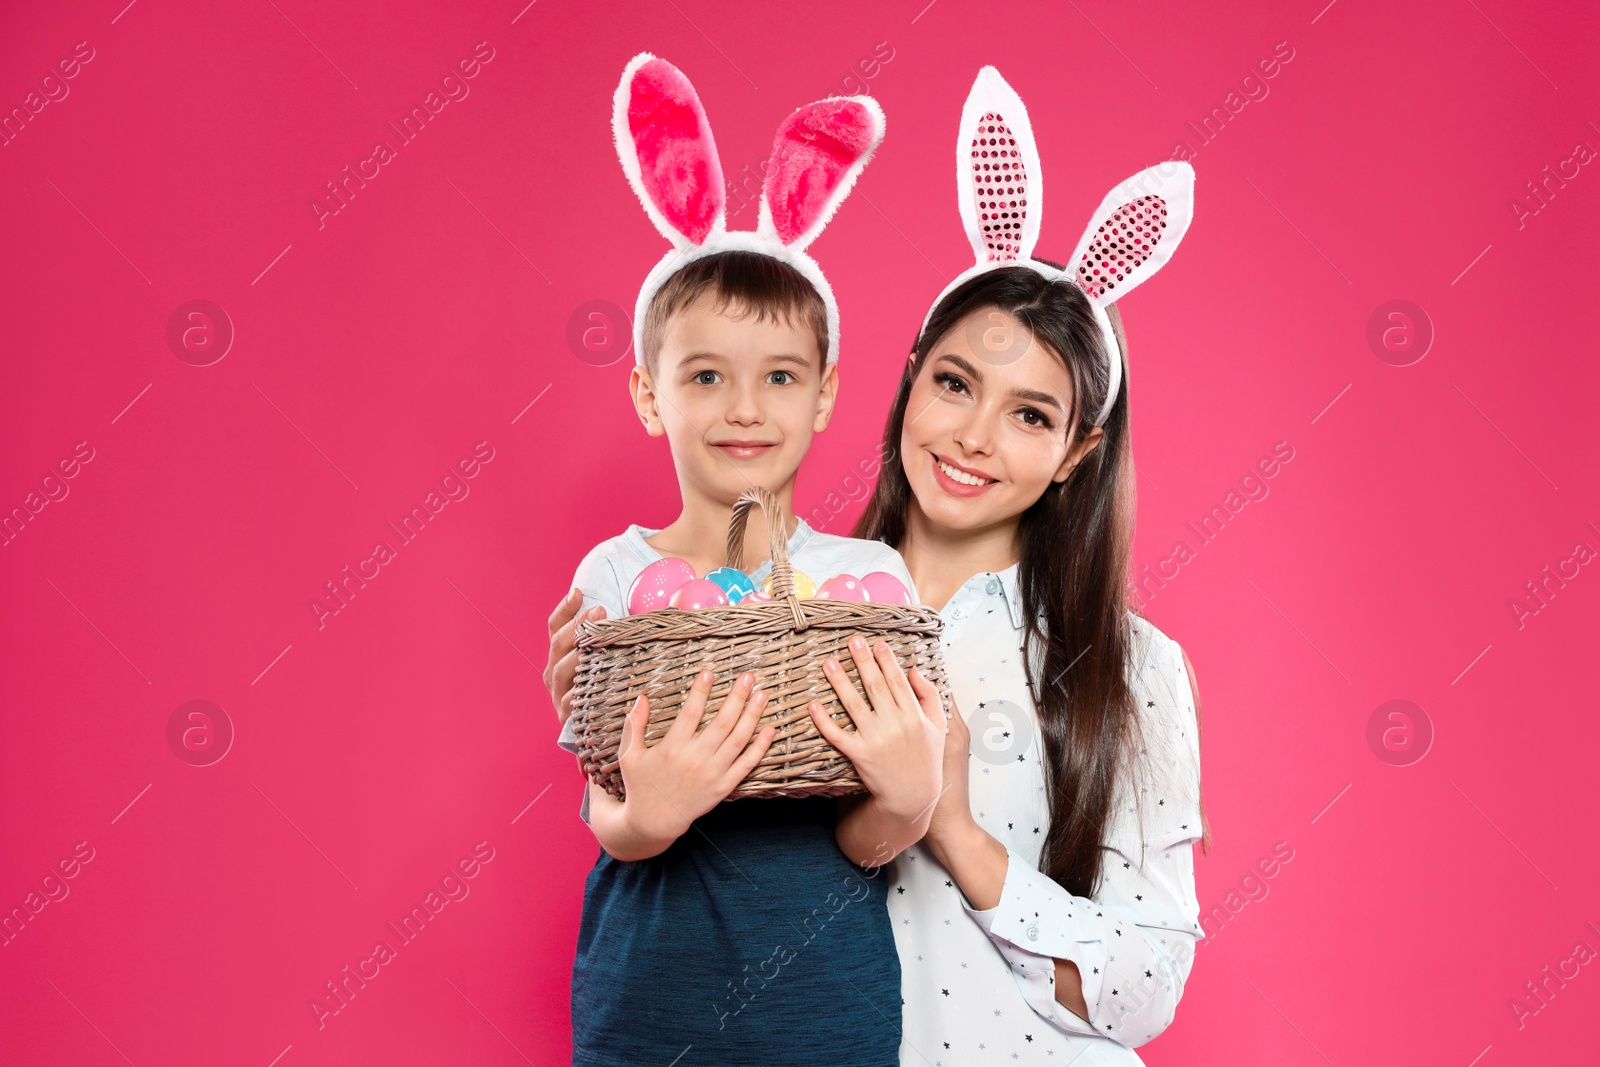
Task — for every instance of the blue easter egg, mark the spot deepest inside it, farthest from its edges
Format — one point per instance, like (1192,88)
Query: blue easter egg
(734,582)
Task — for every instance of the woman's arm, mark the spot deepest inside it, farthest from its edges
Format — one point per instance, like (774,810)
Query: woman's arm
(1117,962)
(978,863)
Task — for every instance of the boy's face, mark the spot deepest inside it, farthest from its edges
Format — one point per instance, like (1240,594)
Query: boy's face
(737,398)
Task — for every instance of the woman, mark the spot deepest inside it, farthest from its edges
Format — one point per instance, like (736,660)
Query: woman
(1050,911)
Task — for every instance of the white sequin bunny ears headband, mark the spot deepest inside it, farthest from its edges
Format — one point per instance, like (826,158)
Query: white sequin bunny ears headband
(1000,189)
(667,152)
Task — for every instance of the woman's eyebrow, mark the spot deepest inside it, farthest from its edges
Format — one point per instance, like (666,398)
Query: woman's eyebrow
(1039,398)
(965,365)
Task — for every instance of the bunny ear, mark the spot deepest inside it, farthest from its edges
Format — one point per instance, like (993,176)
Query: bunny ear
(998,181)
(1134,231)
(667,152)
(818,153)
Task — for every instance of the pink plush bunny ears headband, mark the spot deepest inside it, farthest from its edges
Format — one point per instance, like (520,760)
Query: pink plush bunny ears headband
(1001,192)
(665,145)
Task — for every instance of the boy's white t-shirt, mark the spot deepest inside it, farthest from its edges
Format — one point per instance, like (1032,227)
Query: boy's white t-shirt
(607,572)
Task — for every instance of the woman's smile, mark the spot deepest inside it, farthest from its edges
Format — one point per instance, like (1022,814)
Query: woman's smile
(958,480)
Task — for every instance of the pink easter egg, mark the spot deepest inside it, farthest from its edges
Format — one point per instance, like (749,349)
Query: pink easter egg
(699,593)
(842,587)
(655,585)
(884,588)
(756,597)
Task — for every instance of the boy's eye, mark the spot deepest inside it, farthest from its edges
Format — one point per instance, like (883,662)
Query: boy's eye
(706,377)
(781,377)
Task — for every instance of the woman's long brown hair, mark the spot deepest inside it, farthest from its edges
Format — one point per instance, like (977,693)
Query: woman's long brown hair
(1072,572)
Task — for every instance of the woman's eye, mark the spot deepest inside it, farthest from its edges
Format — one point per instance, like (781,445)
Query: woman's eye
(1033,417)
(951,382)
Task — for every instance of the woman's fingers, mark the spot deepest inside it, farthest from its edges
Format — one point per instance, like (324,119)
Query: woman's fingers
(562,667)
(559,677)
(565,611)
(836,735)
(960,737)
(928,697)
(562,630)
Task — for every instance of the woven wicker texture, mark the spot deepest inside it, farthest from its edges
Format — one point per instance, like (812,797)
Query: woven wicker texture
(783,642)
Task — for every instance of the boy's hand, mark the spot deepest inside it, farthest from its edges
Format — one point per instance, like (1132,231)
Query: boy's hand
(898,744)
(562,665)
(685,774)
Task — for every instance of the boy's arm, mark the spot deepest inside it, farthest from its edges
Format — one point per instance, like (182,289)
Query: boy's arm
(608,818)
(870,836)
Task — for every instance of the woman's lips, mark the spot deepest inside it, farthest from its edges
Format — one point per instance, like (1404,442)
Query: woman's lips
(953,487)
(744,449)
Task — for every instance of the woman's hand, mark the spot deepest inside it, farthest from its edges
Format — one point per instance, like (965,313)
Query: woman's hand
(562,665)
(899,738)
(952,816)
(682,776)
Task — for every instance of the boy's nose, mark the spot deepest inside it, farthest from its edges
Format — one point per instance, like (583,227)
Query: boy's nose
(744,409)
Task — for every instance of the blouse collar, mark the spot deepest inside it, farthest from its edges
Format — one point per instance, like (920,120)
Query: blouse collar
(1002,584)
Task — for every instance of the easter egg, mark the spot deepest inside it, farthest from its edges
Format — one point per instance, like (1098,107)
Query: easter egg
(735,583)
(656,583)
(884,588)
(842,587)
(804,587)
(757,598)
(698,593)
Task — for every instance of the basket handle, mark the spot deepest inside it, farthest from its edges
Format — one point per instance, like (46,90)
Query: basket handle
(782,568)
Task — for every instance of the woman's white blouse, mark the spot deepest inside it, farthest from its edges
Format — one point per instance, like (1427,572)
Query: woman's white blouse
(979,986)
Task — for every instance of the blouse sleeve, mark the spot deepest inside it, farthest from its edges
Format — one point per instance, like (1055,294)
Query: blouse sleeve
(1134,942)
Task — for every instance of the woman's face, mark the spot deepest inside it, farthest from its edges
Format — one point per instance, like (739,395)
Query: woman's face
(986,427)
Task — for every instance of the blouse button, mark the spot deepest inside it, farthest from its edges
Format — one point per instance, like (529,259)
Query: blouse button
(992,587)
(959,613)
(1033,932)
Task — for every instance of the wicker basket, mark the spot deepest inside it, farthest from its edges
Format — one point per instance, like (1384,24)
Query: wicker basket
(783,642)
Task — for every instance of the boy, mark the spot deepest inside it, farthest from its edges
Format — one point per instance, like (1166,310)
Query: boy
(739,932)
(733,934)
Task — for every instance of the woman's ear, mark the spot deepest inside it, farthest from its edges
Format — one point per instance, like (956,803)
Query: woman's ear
(644,401)
(1076,454)
(827,393)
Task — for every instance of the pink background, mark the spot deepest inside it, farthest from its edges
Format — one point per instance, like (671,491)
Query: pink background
(374,351)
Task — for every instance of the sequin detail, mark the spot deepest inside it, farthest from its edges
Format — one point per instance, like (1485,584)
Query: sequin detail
(999,186)
(1123,241)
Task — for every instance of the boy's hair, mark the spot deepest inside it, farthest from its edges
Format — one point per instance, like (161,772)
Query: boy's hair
(749,282)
